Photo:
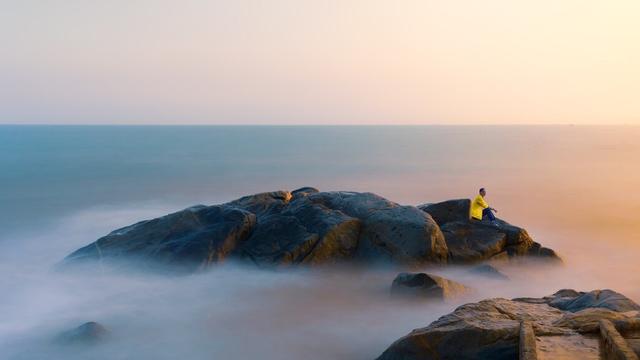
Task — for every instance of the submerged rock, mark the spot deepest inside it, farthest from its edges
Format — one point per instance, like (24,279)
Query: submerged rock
(85,334)
(488,271)
(427,287)
(489,329)
(309,227)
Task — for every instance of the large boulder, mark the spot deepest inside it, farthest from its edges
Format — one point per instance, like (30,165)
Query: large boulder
(310,227)
(423,286)
(484,330)
(192,238)
(390,232)
(489,329)
(448,211)
(302,233)
(279,228)
(470,241)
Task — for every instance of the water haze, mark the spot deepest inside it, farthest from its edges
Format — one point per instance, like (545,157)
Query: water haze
(573,188)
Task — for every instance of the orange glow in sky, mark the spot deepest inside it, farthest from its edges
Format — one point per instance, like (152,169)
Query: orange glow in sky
(320,62)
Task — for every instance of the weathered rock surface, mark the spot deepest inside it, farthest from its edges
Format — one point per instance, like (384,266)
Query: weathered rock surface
(426,287)
(390,232)
(471,241)
(191,238)
(606,299)
(448,211)
(310,227)
(85,334)
(489,329)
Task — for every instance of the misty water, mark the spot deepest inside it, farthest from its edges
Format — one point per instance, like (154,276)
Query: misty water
(575,189)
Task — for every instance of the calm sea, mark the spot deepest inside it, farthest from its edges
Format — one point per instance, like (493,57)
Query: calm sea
(576,189)
(536,174)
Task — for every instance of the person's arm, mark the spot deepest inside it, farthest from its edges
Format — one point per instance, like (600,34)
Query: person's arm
(484,204)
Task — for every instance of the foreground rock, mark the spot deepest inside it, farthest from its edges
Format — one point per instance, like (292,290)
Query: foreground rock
(489,329)
(471,241)
(423,286)
(85,334)
(309,227)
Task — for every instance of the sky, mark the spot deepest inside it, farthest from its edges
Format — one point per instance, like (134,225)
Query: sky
(319,62)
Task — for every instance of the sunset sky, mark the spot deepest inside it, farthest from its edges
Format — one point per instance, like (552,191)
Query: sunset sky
(320,62)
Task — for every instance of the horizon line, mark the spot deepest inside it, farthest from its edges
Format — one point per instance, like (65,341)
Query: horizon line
(324,125)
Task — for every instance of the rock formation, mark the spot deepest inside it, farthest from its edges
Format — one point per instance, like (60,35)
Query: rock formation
(471,241)
(489,329)
(309,227)
(426,287)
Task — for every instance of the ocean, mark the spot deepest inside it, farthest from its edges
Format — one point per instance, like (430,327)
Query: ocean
(574,188)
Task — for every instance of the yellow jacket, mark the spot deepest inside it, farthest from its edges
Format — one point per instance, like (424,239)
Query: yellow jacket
(477,205)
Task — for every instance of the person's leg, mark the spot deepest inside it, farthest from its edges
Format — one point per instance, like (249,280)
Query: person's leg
(486,213)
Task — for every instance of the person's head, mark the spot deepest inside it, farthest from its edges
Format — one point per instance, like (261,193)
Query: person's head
(483,192)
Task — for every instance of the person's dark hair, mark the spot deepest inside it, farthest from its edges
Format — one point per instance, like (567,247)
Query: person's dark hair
(481,190)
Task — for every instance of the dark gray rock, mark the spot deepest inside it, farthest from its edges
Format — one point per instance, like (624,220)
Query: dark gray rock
(86,334)
(302,233)
(468,242)
(329,227)
(192,238)
(488,271)
(310,227)
(475,241)
(606,299)
(448,211)
(426,287)
(390,232)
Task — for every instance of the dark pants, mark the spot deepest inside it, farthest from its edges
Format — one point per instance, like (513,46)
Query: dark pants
(488,214)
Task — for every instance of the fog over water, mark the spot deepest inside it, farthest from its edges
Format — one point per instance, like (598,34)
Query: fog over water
(573,188)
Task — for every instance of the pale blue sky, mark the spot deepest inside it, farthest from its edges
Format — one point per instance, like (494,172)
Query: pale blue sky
(319,62)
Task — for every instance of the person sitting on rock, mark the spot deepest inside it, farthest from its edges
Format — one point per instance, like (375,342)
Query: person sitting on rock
(481,210)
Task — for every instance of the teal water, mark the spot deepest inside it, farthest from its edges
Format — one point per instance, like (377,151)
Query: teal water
(49,172)
(575,189)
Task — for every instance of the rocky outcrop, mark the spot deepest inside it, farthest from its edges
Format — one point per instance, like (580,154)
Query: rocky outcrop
(471,241)
(423,286)
(309,227)
(390,232)
(448,211)
(189,239)
(85,334)
(490,328)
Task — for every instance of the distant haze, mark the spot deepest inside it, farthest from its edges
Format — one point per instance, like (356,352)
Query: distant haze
(320,62)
